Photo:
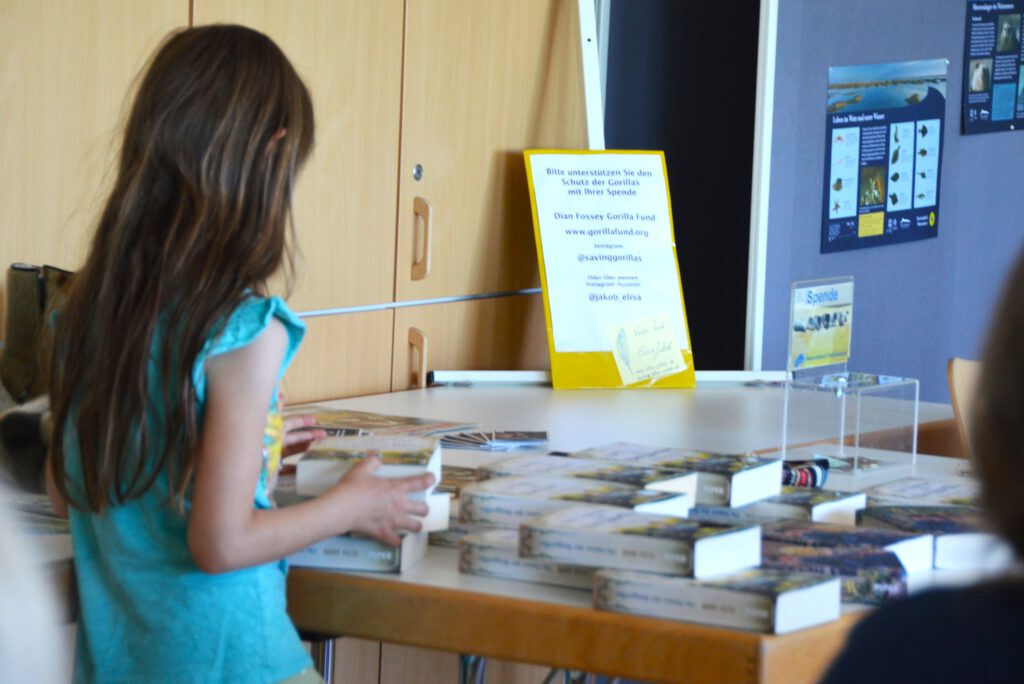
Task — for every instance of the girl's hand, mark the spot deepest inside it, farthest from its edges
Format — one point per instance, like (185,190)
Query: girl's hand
(296,437)
(379,506)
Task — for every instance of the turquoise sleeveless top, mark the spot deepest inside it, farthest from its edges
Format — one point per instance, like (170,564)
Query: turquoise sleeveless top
(147,613)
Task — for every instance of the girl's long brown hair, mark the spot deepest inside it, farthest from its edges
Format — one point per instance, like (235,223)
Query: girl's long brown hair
(200,215)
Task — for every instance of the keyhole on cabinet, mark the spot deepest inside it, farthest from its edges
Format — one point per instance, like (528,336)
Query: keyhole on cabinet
(417,172)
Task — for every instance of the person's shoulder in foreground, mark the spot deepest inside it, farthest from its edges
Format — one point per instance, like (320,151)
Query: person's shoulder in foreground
(947,635)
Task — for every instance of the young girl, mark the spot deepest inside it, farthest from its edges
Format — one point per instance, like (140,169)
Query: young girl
(167,361)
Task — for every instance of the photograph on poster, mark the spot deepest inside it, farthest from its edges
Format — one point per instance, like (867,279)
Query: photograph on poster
(1009,33)
(884,124)
(993,94)
(821,323)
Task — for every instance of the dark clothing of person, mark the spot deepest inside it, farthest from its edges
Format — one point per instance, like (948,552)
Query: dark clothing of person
(962,635)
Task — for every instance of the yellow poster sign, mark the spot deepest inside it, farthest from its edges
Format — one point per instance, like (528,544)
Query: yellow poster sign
(613,300)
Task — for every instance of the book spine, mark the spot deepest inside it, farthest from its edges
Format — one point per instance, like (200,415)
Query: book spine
(492,561)
(725,514)
(713,489)
(504,511)
(349,553)
(684,603)
(449,538)
(607,551)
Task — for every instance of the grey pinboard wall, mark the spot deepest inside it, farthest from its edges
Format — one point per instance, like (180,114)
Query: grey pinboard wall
(919,303)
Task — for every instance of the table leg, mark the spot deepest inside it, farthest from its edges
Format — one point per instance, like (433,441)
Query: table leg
(321,648)
(472,669)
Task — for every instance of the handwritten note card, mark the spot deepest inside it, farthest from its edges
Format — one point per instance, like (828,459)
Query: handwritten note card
(645,348)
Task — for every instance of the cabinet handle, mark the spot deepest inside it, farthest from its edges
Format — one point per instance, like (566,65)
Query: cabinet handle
(418,341)
(423,214)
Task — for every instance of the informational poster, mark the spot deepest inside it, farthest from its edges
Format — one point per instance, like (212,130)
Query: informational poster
(883,154)
(606,249)
(820,323)
(993,67)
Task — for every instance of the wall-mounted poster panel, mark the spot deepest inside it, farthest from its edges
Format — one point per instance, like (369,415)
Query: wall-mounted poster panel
(993,71)
(883,153)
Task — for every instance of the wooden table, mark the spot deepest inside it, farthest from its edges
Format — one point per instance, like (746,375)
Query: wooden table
(434,606)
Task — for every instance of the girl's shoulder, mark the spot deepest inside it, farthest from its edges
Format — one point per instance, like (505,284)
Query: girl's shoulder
(249,319)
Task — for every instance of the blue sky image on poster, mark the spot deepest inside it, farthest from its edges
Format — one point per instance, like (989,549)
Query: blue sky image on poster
(883,153)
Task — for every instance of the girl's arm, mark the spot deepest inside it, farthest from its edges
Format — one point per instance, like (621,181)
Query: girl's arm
(225,532)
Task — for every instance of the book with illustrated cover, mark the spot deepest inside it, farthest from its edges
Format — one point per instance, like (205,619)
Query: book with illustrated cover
(963,539)
(454,478)
(849,472)
(496,554)
(818,505)
(920,490)
(760,600)
(329,459)
(345,422)
(495,440)
(508,501)
(722,479)
(867,574)
(362,554)
(439,504)
(656,479)
(915,551)
(793,503)
(456,530)
(605,537)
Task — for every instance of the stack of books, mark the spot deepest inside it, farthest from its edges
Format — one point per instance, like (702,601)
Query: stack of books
(656,479)
(691,535)
(962,537)
(757,600)
(722,479)
(509,501)
(328,460)
(624,508)
(801,503)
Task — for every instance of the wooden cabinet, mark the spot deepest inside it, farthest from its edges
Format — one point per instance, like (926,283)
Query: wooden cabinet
(410,664)
(458,87)
(351,351)
(483,81)
(349,53)
(484,334)
(65,68)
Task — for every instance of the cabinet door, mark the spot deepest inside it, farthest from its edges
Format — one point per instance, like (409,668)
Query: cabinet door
(503,333)
(349,53)
(345,355)
(483,81)
(424,666)
(66,69)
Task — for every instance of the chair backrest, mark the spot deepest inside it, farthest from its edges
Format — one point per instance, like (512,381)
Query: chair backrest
(962,375)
